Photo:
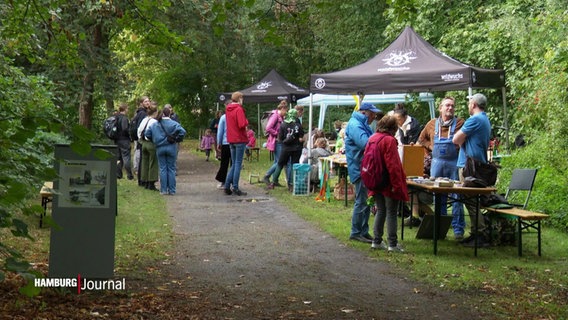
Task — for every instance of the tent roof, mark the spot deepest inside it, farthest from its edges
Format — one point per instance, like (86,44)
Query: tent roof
(272,88)
(349,100)
(409,64)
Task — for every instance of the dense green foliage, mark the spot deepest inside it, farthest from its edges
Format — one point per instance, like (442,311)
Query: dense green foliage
(65,65)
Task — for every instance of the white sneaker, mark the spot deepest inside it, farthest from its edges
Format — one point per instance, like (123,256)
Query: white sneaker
(379,245)
(396,248)
(221,186)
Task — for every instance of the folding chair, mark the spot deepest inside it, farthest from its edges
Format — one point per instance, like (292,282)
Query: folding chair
(521,180)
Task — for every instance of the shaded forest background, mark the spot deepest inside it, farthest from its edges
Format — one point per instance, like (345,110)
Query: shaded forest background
(66,65)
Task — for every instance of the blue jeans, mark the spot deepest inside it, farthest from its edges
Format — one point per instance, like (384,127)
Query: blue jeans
(277,151)
(167,155)
(361,211)
(448,169)
(237,154)
(386,211)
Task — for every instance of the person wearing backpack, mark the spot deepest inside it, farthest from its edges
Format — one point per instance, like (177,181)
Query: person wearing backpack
(272,143)
(357,134)
(393,190)
(123,143)
(291,134)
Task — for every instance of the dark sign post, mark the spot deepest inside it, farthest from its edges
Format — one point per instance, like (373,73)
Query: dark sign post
(84,208)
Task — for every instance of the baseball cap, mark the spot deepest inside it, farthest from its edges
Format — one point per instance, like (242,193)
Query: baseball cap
(368,106)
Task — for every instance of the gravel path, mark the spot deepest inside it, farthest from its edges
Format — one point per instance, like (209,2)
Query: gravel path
(258,260)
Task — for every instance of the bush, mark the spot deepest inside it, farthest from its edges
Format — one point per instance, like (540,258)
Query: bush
(551,186)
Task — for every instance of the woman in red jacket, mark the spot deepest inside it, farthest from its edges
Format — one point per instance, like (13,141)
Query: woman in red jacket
(237,123)
(388,198)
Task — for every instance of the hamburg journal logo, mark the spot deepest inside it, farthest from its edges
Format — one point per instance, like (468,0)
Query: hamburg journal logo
(82,284)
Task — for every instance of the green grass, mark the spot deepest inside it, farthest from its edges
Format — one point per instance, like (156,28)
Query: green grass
(143,228)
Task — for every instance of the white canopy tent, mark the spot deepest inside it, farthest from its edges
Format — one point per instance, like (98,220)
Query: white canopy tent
(325,100)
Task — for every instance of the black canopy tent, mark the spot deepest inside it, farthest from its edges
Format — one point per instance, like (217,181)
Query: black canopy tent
(410,64)
(272,88)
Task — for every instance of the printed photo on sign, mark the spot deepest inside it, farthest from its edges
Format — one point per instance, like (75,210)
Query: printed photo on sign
(84,184)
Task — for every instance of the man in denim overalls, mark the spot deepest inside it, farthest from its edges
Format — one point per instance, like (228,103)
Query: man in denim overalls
(437,138)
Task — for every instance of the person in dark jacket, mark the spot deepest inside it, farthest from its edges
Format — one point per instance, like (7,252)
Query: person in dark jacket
(141,113)
(408,127)
(123,143)
(291,135)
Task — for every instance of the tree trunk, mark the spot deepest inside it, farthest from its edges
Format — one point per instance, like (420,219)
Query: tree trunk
(86,105)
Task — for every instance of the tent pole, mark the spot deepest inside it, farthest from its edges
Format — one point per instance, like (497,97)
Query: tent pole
(310,121)
(505,120)
(258,120)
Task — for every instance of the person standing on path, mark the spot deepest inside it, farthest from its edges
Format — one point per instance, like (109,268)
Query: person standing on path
(237,123)
(357,134)
(166,151)
(225,151)
(214,126)
(473,139)
(207,143)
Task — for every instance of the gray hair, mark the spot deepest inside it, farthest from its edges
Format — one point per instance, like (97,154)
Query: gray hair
(480,100)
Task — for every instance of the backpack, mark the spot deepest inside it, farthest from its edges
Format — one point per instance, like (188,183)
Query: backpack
(264,121)
(110,127)
(133,126)
(374,173)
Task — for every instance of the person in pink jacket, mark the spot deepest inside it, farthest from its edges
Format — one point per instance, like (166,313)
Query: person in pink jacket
(237,123)
(207,143)
(272,143)
(388,198)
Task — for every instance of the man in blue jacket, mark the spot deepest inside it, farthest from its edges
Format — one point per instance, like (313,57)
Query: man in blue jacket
(357,134)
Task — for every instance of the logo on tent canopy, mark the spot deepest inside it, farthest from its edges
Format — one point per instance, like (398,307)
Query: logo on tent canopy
(295,87)
(396,59)
(264,85)
(319,83)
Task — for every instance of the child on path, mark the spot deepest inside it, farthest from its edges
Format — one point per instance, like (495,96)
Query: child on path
(207,143)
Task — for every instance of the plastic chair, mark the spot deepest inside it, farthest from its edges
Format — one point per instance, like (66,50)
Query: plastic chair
(521,180)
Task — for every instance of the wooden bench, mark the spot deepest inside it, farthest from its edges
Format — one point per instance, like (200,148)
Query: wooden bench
(525,220)
(46,194)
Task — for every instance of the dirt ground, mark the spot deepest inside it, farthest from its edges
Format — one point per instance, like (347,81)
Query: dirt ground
(251,258)
(247,258)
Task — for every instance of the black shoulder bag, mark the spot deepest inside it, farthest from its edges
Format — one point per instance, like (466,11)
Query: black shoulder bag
(476,170)
(171,138)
